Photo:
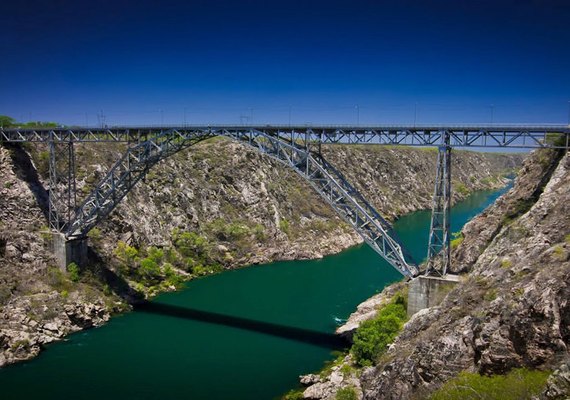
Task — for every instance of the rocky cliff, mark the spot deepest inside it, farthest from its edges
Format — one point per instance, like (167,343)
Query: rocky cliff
(217,205)
(511,308)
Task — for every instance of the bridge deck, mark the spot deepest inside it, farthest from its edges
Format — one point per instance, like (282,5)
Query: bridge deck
(516,136)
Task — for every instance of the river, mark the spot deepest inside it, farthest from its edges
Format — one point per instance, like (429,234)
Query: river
(243,334)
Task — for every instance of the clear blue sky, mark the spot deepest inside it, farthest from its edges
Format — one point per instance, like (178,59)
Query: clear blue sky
(143,62)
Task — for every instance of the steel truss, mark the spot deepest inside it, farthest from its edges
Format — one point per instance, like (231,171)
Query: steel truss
(519,136)
(62,193)
(439,249)
(126,172)
(325,179)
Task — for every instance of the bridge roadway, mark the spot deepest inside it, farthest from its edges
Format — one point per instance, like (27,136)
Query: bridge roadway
(519,136)
(297,147)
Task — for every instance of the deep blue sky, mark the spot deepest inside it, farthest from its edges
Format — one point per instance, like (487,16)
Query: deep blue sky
(326,61)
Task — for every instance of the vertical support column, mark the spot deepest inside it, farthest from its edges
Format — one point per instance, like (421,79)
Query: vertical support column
(439,249)
(53,195)
(62,190)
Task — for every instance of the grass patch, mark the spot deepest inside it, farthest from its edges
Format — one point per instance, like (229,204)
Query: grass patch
(519,384)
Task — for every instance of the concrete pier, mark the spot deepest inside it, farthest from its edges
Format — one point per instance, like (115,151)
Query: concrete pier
(68,251)
(428,291)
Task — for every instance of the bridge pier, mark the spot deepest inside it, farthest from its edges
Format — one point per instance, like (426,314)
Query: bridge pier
(429,291)
(68,251)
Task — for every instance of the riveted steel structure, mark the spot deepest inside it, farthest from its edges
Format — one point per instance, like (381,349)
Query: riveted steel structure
(439,249)
(296,147)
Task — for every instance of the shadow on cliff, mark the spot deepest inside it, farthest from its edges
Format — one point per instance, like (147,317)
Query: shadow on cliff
(326,340)
(26,171)
(116,283)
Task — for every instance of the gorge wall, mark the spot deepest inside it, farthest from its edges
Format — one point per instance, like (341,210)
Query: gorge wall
(511,308)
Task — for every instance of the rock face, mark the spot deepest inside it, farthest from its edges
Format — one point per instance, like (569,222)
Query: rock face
(512,306)
(558,385)
(215,182)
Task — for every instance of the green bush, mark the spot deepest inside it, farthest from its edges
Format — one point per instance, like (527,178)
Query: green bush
(457,239)
(373,336)
(519,384)
(73,270)
(461,189)
(346,393)
(149,271)
(94,234)
(284,226)
(155,254)
(126,253)
(259,232)
(189,243)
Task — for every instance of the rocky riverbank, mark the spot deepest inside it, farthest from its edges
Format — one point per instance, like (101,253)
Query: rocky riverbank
(510,310)
(216,206)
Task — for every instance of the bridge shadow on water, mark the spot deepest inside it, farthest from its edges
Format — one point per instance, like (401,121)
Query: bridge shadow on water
(321,339)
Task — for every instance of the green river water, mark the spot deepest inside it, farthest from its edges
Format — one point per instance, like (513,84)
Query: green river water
(243,334)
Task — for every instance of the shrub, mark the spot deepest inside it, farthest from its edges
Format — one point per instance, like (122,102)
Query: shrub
(461,189)
(57,280)
(457,239)
(559,253)
(149,271)
(155,254)
(519,384)
(373,336)
(189,243)
(73,270)
(94,234)
(346,393)
(284,226)
(126,253)
(259,232)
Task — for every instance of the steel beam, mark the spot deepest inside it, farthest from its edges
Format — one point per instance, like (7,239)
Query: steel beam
(62,187)
(439,249)
(515,136)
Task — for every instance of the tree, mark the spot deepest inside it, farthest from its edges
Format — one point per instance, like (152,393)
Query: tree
(6,121)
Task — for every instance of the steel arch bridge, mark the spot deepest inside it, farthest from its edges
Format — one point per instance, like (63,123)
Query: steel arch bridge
(298,147)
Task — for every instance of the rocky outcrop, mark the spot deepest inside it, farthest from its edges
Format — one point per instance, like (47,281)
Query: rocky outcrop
(511,307)
(30,322)
(558,385)
(367,310)
(215,184)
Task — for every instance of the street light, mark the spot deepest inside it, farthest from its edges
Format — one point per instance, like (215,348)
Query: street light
(415,113)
